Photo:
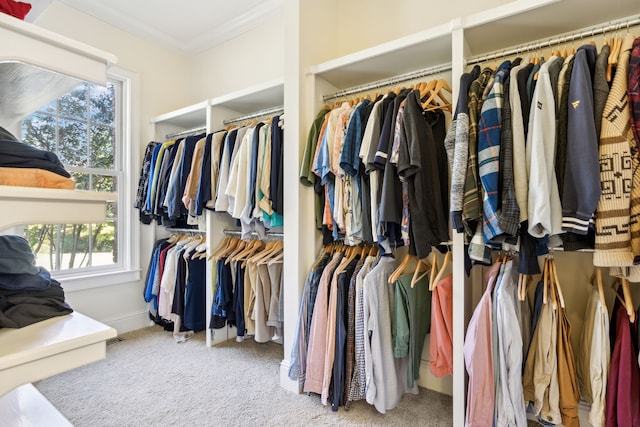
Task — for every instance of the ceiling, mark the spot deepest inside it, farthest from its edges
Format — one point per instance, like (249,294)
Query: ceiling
(189,26)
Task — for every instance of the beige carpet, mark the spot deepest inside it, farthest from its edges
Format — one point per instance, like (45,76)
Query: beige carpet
(149,380)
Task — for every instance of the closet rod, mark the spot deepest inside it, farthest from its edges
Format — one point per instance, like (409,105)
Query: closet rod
(185,230)
(611,26)
(271,235)
(266,112)
(186,132)
(390,81)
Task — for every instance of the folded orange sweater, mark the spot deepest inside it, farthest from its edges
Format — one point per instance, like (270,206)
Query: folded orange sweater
(31,177)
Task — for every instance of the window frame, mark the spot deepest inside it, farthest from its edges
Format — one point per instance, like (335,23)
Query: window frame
(127,269)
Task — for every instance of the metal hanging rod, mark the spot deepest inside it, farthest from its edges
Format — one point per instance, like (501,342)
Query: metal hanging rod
(273,111)
(186,132)
(271,235)
(564,38)
(185,230)
(390,81)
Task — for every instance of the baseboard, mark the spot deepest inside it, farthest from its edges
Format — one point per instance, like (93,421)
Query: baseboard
(286,382)
(129,323)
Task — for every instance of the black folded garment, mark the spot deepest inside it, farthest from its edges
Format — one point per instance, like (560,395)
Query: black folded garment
(26,282)
(22,308)
(16,154)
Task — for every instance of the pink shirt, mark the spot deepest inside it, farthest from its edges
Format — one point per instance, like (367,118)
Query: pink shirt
(441,344)
(317,347)
(478,358)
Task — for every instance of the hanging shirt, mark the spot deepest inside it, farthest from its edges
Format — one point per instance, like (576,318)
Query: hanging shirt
(441,339)
(544,209)
(623,388)
(412,321)
(358,380)
(600,358)
(478,359)
(316,351)
(385,374)
(510,408)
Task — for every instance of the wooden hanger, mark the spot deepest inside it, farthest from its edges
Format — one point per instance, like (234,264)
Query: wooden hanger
(612,61)
(422,269)
(628,301)
(224,244)
(545,281)
(596,279)
(556,283)
(441,85)
(395,275)
(443,270)
(239,247)
(615,285)
(523,286)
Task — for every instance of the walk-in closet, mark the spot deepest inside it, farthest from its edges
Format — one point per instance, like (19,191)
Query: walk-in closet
(378,203)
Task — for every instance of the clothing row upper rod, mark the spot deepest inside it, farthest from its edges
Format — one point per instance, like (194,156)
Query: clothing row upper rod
(185,230)
(271,235)
(273,111)
(436,69)
(611,26)
(186,132)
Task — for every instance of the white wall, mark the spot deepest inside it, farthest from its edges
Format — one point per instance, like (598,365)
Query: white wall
(365,23)
(253,57)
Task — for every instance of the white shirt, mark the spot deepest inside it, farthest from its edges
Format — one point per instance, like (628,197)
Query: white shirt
(599,366)
(544,207)
(510,406)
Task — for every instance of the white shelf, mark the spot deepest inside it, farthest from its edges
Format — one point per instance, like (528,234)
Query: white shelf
(50,347)
(525,21)
(411,53)
(30,205)
(188,117)
(253,98)
(25,406)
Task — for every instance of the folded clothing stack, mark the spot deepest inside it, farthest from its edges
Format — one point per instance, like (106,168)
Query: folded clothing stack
(28,294)
(26,166)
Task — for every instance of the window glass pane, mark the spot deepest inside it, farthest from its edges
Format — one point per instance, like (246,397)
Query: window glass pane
(39,130)
(74,104)
(102,103)
(93,182)
(102,143)
(50,107)
(70,246)
(73,142)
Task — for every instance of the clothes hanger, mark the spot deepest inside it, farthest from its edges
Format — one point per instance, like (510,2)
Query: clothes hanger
(443,269)
(395,275)
(545,281)
(421,266)
(239,247)
(223,244)
(598,276)
(556,283)
(616,283)
(631,312)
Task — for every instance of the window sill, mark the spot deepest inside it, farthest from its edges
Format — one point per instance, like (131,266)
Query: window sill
(96,279)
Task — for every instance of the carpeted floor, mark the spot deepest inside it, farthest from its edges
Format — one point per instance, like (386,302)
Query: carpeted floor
(149,380)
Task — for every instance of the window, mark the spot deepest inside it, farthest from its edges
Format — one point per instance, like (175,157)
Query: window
(89,128)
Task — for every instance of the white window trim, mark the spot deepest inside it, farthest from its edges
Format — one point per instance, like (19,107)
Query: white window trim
(128,269)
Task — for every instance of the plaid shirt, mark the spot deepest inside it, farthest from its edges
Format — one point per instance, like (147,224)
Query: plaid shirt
(471,209)
(489,132)
(509,207)
(143,183)
(351,330)
(357,388)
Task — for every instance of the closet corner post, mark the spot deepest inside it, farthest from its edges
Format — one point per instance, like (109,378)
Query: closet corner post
(461,298)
